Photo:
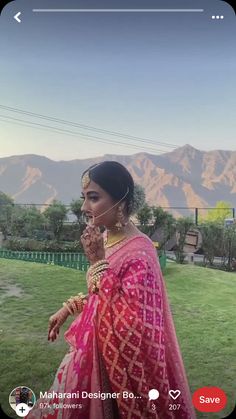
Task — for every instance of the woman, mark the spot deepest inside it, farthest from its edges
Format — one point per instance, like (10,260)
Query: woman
(123,341)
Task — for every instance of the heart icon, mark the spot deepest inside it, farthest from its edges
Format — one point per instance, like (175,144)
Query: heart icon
(174,394)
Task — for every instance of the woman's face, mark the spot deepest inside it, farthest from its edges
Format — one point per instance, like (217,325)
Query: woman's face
(96,202)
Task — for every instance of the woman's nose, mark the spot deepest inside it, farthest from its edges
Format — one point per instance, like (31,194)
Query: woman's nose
(84,207)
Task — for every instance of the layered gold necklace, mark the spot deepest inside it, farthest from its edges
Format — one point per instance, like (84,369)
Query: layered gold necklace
(114,238)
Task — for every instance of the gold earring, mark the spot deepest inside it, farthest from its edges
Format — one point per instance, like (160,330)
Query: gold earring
(120,219)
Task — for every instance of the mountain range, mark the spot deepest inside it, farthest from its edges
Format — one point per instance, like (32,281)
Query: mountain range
(185,177)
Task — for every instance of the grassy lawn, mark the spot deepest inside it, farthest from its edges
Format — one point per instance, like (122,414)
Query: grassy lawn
(202,302)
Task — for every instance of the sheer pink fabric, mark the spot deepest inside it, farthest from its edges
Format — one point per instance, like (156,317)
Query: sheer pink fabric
(124,342)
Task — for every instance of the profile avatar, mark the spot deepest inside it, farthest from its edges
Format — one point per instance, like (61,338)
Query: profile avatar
(20,395)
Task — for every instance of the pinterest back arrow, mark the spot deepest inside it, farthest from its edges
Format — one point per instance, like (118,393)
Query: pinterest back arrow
(16,17)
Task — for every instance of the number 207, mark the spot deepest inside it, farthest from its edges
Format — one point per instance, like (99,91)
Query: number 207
(174,406)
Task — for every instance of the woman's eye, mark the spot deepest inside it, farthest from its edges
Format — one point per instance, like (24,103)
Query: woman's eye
(91,198)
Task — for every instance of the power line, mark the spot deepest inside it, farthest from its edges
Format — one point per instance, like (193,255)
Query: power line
(76,134)
(88,127)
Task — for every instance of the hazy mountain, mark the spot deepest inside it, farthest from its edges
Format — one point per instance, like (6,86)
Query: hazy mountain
(185,177)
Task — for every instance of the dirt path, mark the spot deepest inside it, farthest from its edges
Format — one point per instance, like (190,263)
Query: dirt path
(9,290)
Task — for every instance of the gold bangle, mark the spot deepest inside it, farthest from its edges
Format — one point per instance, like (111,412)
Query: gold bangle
(99,269)
(81,295)
(68,308)
(79,304)
(96,281)
(69,304)
(71,301)
(99,263)
(75,304)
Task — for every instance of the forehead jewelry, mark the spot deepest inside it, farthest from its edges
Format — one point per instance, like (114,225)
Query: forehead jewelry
(85,180)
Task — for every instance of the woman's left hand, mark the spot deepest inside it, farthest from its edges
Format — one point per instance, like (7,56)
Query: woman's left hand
(55,322)
(93,244)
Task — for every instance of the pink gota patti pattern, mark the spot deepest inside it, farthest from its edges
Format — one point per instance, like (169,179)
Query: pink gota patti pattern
(137,336)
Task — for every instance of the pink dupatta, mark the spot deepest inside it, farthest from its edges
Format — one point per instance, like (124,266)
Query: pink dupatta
(124,342)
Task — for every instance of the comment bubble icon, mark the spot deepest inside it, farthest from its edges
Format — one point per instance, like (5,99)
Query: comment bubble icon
(153,394)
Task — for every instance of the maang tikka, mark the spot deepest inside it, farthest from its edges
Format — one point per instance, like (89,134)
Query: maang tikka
(85,180)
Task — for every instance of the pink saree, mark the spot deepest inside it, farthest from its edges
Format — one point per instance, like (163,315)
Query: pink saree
(122,344)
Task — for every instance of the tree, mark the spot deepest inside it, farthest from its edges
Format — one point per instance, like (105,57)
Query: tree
(221,211)
(6,208)
(183,225)
(56,214)
(27,220)
(212,239)
(165,223)
(144,215)
(75,207)
(139,198)
(229,246)
(34,220)
(18,221)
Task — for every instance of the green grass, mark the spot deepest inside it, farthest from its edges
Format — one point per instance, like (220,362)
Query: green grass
(202,301)
(203,305)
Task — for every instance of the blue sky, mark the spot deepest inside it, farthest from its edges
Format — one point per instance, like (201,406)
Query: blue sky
(168,77)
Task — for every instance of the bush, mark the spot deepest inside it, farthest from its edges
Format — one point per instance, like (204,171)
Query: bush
(32,245)
(23,245)
(72,232)
(54,246)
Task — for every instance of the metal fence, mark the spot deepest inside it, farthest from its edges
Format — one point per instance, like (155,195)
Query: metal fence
(69,260)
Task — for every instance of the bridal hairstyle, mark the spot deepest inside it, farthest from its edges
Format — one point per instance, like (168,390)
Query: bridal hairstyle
(115,179)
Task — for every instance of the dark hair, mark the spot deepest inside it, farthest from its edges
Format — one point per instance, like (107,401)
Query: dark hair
(115,179)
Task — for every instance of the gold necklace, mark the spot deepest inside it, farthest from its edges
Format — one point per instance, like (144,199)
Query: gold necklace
(114,239)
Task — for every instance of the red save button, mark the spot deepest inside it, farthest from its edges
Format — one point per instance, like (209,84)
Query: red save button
(209,399)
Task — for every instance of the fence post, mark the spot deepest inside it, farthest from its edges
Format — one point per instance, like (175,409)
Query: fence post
(233,212)
(80,261)
(196,216)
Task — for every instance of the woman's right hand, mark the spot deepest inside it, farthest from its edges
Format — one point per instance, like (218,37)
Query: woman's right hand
(55,322)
